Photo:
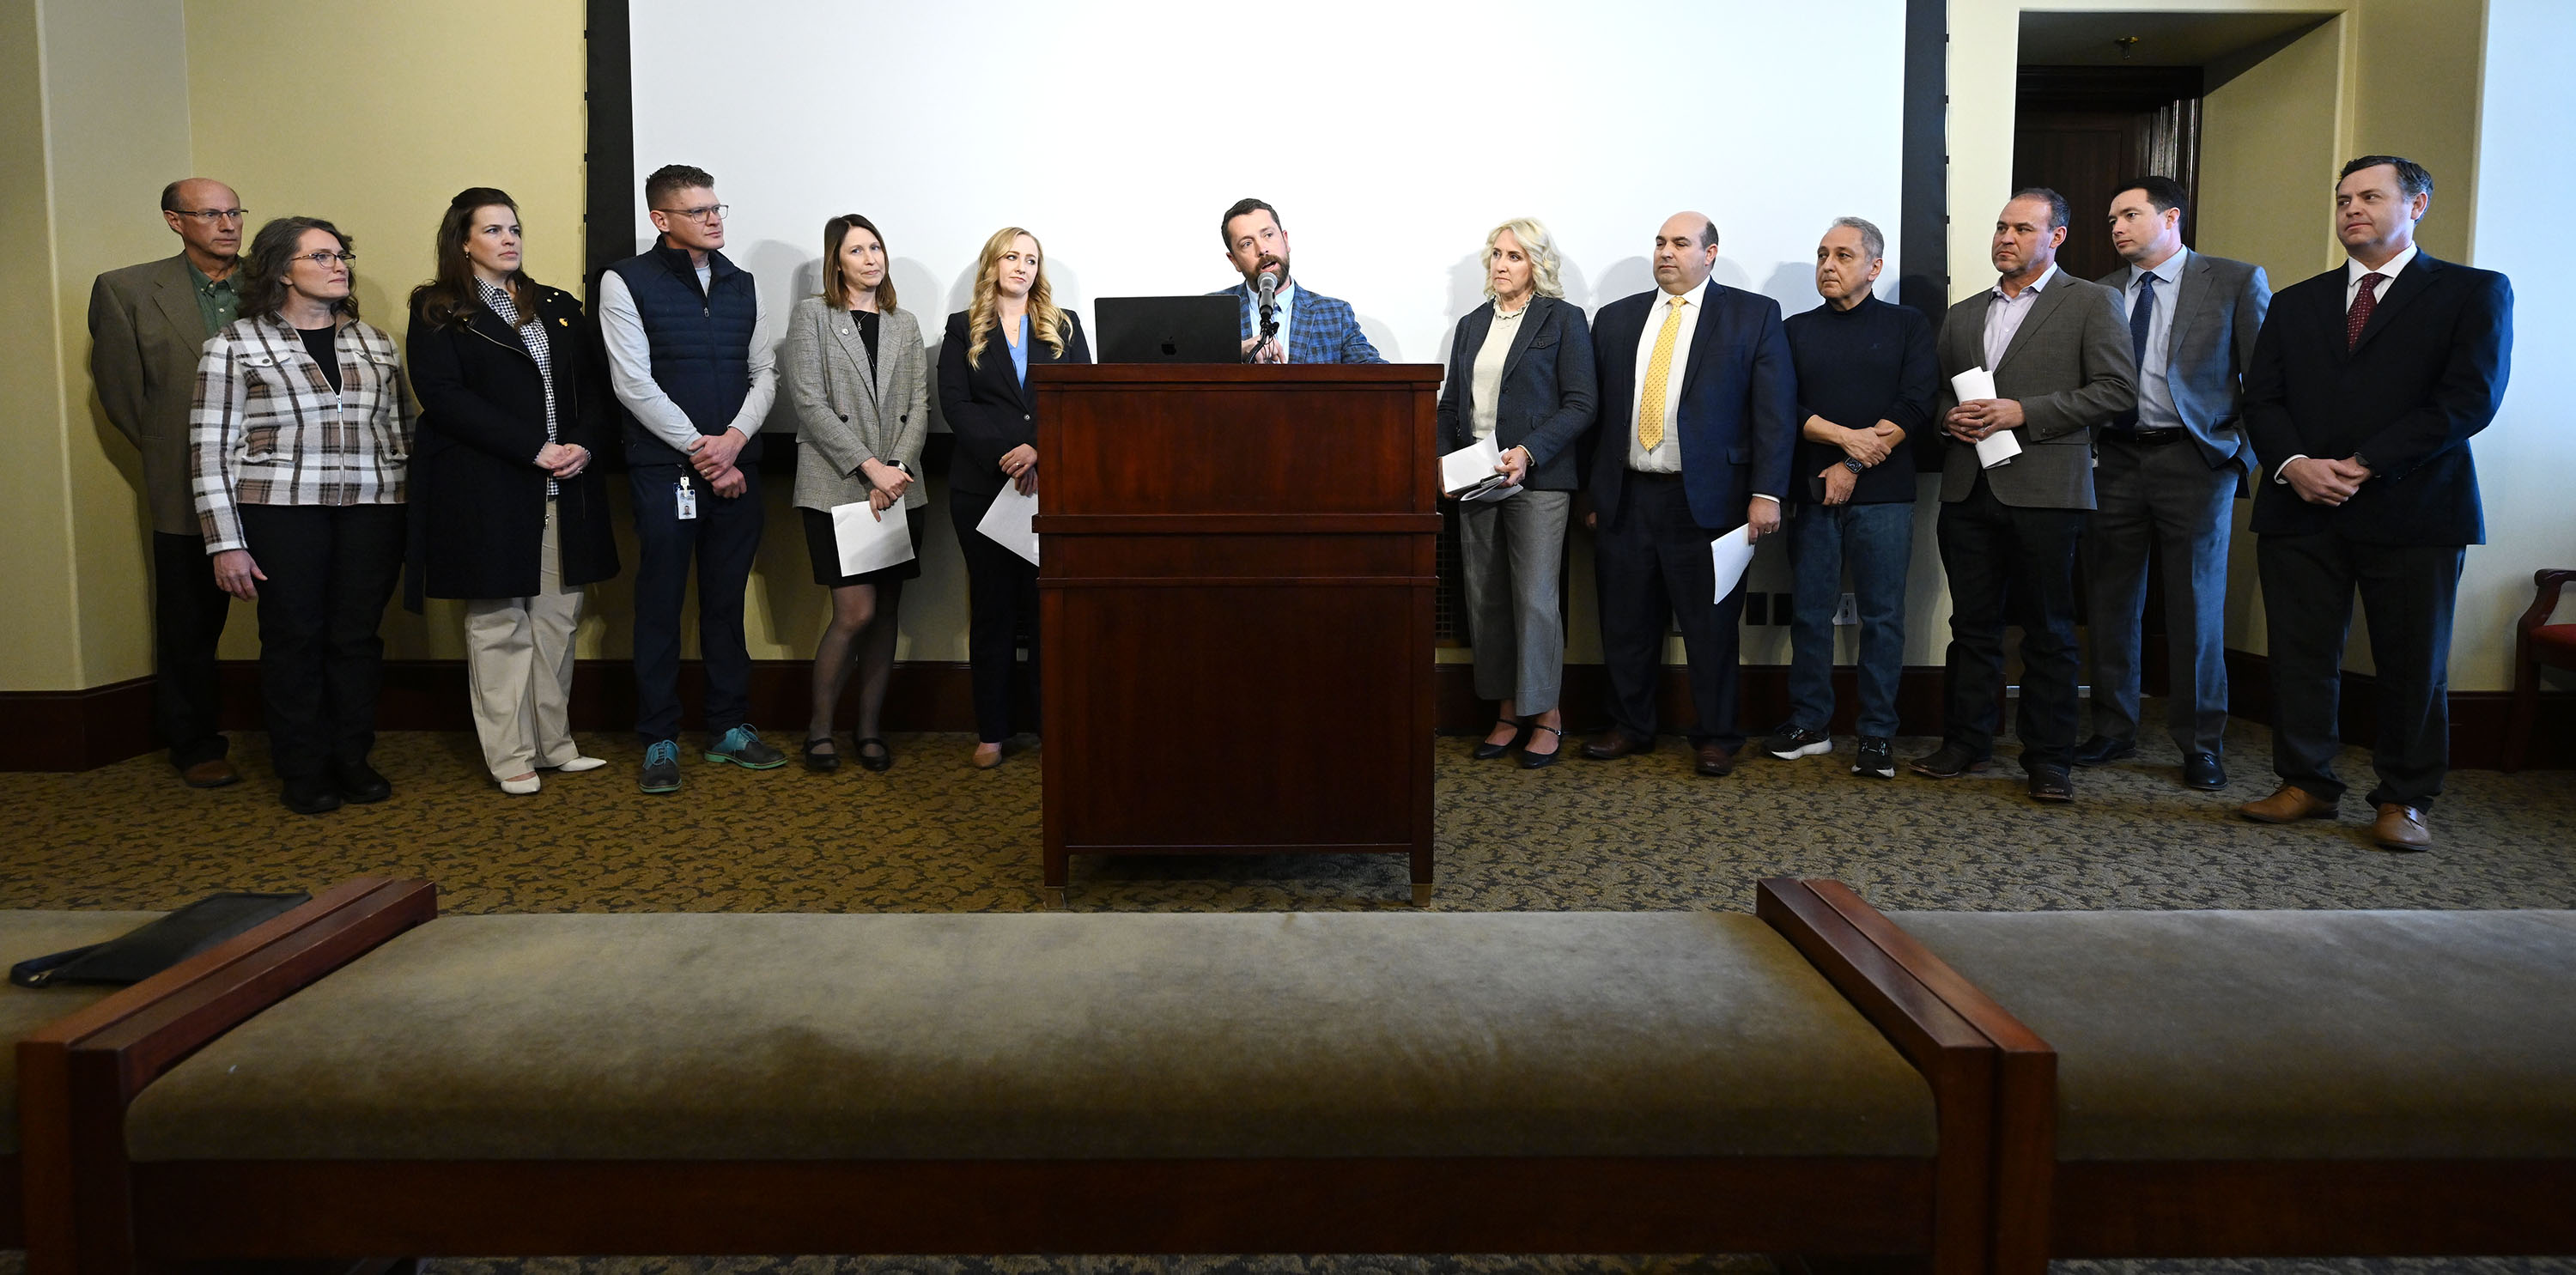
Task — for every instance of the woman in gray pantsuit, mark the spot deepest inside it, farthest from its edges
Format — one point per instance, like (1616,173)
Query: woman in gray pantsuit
(854,370)
(1520,372)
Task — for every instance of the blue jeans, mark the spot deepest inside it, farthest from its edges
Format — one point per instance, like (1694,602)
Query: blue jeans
(1877,542)
(722,540)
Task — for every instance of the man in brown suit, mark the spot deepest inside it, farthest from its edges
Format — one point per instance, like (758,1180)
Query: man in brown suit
(146,324)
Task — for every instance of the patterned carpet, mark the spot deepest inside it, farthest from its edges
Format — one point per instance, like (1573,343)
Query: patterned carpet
(933,834)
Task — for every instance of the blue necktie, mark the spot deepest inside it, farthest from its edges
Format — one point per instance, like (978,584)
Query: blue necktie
(2142,315)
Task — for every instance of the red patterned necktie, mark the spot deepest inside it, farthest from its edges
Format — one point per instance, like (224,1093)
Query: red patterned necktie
(2363,302)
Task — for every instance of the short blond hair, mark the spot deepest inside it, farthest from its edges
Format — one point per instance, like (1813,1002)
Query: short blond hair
(1536,244)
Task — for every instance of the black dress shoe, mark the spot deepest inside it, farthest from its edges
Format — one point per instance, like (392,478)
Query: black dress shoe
(2051,783)
(874,755)
(2102,750)
(310,797)
(1949,761)
(1486,751)
(359,784)
(1534,761)
(1615,744)
(2202,771)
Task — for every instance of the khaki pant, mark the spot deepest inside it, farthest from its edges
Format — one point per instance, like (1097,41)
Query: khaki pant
(518,659)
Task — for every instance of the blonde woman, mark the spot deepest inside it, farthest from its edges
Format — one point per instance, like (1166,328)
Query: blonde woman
(853,368)
(1520,373)
(984,364)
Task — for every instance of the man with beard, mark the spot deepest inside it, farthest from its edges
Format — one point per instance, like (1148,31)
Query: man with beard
(1307,327)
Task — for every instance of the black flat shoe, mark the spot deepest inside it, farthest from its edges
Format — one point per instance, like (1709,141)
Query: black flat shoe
(359,784)
(310,796)
(819,762)
(1536,761)
(880,760)
(1520,731)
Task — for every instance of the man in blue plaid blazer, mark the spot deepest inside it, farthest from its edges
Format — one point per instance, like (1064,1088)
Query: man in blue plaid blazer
(1313,328)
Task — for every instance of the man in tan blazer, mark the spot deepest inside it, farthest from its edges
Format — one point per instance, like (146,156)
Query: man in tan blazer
(146,324)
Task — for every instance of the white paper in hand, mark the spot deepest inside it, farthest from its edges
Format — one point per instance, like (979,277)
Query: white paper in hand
(1008,522)
(1995,448)
(1731,554)
(868,542)
(1469,465)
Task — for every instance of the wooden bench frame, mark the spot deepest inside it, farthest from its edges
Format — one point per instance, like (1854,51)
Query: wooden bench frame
(2216,1208)
(77,1075)
(130,1214)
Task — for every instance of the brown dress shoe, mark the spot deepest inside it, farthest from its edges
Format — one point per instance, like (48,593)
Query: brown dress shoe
(1713,759)
(1614,744)
(2401,827)
(210,774)
(2289,804)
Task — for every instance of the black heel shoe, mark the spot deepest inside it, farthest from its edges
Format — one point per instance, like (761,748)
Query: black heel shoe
(822,763)
(881,760)
(1521,730)
(1534,761)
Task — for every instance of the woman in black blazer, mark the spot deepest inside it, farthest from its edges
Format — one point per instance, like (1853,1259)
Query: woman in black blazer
(1520,371)
(506,511)
(1011,324)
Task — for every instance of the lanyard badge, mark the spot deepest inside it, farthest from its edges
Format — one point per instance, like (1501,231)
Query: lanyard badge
(688,507)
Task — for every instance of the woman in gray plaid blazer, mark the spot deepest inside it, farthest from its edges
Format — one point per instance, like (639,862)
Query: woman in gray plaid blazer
(300,436)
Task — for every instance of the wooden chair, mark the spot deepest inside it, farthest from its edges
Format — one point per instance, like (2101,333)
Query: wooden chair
(2536,642)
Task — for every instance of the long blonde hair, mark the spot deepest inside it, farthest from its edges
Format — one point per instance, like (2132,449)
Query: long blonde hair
(1048,321)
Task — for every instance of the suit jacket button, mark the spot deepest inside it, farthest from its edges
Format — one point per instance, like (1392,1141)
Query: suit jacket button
(1024,416)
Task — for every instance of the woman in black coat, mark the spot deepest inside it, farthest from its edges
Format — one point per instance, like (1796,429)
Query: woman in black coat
(506,511)
(1011,323)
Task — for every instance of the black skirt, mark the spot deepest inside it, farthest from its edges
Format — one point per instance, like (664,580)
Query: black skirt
(825,550)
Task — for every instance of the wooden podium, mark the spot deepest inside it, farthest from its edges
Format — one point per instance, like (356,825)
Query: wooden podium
(1235,602)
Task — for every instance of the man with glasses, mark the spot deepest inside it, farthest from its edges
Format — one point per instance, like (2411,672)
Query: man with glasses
(146,323)
(689,355)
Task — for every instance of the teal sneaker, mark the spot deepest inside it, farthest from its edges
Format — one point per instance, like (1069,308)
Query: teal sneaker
(742,747)
(661,767)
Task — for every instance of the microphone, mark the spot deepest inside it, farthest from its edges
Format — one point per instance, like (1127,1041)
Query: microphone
(1269,294)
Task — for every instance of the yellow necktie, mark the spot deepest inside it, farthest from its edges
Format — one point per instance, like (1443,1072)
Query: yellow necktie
(1659,369)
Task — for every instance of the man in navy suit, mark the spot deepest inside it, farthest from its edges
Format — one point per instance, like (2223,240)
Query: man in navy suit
(2367,383)
(1698,423)
(1312,327)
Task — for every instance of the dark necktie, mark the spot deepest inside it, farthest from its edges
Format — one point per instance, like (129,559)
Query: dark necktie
(2363,302)
(2142,315)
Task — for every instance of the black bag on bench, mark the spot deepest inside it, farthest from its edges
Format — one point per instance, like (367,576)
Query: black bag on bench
(156,945)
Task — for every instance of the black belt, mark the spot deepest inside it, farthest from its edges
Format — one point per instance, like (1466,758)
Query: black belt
(1655,475)
(2151,437)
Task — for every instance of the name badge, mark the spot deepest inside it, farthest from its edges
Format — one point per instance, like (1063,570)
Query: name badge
(688,507)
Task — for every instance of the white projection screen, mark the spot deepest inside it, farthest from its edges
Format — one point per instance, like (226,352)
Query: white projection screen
(1391,135)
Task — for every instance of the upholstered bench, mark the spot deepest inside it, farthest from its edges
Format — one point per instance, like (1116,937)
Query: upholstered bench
(2279,1083)
(1347,1082)
(24,935)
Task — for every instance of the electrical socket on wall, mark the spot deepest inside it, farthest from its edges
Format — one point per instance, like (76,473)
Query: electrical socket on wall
(1783,608)
(1848,612)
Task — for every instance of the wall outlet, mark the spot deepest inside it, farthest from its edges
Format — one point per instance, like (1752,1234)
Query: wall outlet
(1783,608)
(1757,607)
(1849,611)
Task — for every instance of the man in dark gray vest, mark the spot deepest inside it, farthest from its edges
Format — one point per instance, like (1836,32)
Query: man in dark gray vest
(2058,352)
(690,357)
(146,324)
(2167,474)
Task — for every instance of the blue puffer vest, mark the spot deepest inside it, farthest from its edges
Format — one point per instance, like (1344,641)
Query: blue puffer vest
(701,344)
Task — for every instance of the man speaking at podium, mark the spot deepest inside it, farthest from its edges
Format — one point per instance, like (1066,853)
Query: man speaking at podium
(1301,326)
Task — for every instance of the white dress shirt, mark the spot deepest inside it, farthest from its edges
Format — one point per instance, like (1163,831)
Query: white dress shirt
(630,365)
(1666,458)
(2155,395)
(2004,314)
(1283,304)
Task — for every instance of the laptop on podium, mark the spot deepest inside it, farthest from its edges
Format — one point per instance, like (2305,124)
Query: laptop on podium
(1204,329)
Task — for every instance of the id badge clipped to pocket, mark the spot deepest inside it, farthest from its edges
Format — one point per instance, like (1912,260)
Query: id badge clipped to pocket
(688,496)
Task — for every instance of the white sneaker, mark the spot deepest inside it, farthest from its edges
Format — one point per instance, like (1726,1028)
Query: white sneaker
(520,787)
(579,764)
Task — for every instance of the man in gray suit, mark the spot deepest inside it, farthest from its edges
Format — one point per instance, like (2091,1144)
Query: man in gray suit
(146,323)
(2168,474)
(2059,353)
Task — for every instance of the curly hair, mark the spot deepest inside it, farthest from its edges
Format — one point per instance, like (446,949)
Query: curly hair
(1537,245)
(1048,321)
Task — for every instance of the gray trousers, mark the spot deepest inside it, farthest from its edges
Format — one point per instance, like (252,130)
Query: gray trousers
(1512,553)
(2167,496)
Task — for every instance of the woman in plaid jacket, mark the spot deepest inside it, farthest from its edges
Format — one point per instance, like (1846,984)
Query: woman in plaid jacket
(300,436)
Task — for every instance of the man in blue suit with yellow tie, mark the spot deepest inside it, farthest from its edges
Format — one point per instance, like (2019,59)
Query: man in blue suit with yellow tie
(1311,327)
(1698,424)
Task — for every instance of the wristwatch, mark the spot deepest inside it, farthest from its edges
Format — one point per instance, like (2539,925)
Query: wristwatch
(1854,465)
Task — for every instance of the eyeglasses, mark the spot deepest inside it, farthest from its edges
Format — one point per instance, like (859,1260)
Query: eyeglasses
(324,259)
(712,212)
(212,215)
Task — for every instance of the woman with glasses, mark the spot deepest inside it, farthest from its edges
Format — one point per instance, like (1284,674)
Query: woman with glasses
(301,439)
(853,367)
(1520,373)
(1011,323)
(506,510)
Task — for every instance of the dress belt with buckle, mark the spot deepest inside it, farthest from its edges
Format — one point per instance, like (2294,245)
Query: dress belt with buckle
(2151,437)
